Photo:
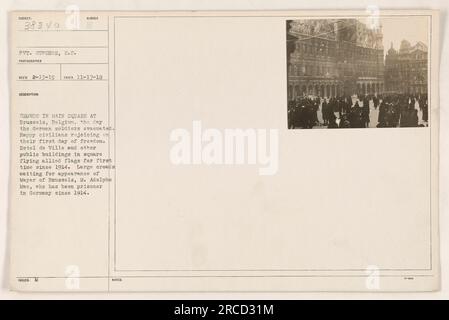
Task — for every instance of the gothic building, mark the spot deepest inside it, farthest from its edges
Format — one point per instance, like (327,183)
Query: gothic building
(334,57)
(406,69)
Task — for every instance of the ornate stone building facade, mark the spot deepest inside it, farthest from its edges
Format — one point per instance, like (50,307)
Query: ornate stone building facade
(406,69)
(331,57)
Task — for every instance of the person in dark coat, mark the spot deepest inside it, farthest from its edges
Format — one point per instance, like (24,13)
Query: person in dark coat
(337,106)
(300,116)
(405,116)
(316,106)
(425,112)
(382,112)
(390,116)
(375,102)
(365,113)
(332,124)
(290,113)
(344,122)
(324,112)
(413,118)
(355,116)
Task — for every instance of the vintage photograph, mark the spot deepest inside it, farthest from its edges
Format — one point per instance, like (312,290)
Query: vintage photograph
(368,72)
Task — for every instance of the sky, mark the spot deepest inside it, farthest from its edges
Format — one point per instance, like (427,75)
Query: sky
(413,29)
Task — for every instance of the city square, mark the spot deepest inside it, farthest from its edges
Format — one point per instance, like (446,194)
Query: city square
(341,76)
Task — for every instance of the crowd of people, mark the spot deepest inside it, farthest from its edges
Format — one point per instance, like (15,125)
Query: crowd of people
(392,110)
